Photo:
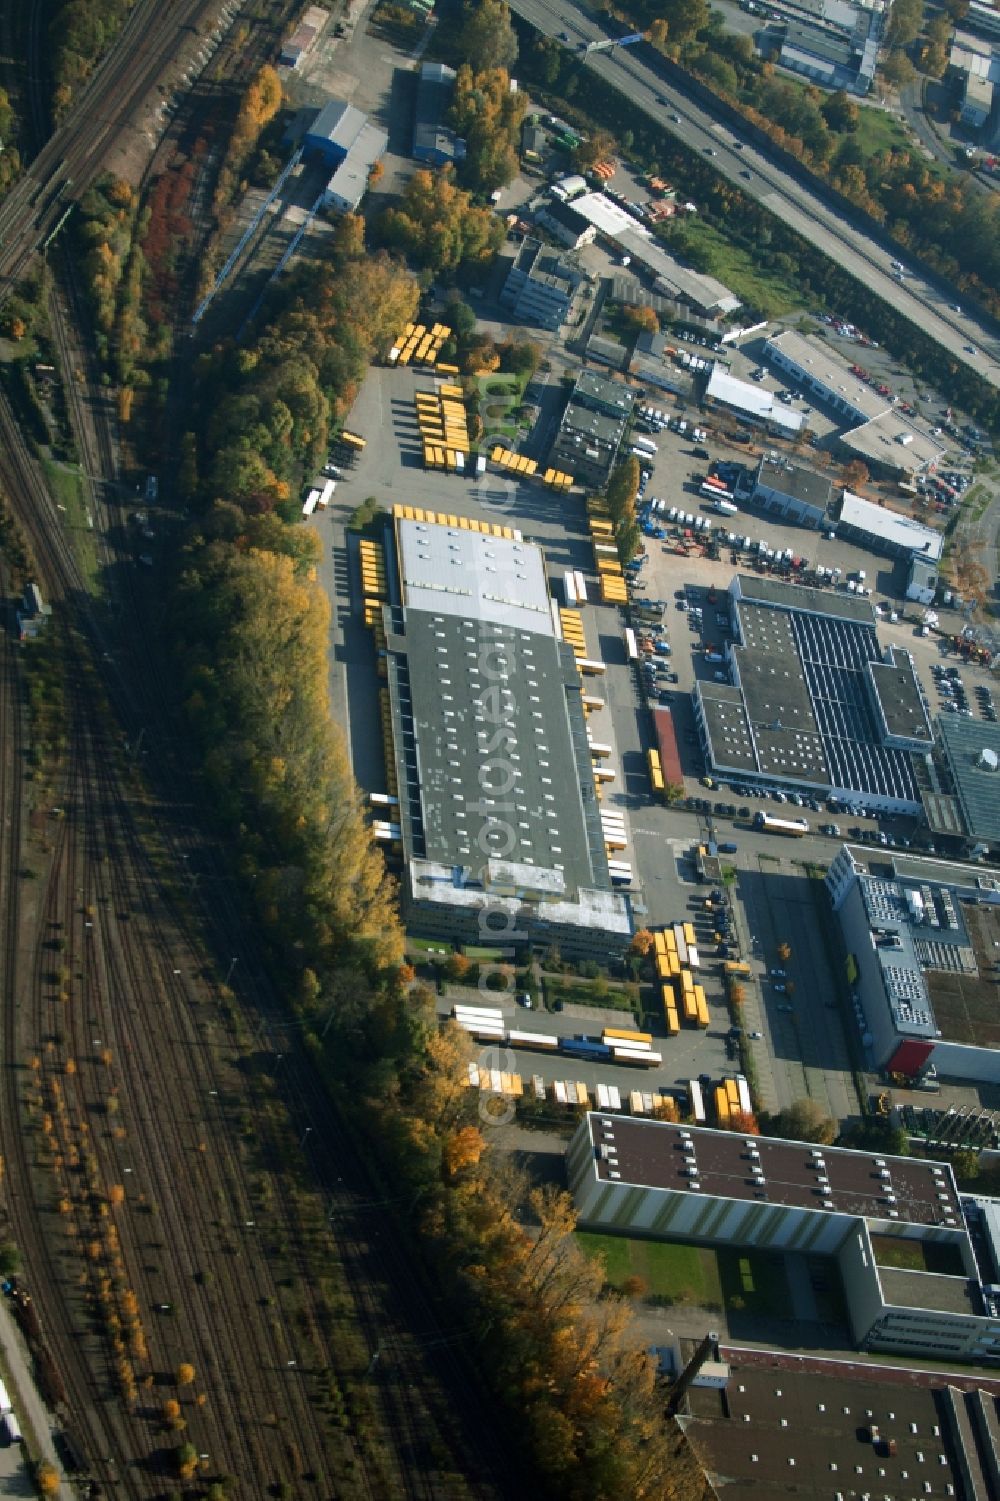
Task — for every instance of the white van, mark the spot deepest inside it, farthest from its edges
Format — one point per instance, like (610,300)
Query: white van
(11,1428)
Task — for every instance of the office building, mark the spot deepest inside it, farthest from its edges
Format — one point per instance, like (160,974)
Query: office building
(814,704)
(918,935)
(563,222)
(540,285)
(498,815)
(592,429)
(653,1178)
(797,1426)
(876,431)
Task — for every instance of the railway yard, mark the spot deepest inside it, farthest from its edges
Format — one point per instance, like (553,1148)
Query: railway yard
(206,1289)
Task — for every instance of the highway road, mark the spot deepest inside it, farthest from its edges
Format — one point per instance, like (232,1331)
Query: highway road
(965,339)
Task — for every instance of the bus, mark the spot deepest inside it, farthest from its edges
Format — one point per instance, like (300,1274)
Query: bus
(737,970)
(793,828)
(353,441)
(641,1039)
(697,1101)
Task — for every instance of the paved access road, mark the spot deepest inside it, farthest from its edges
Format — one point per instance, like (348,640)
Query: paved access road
(791,201)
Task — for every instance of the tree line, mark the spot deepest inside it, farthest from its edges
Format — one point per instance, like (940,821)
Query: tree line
(249,626)
(945,219)
(80,32)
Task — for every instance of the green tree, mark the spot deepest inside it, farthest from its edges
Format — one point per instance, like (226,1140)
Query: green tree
(804,1120)
(673,792)
(841,112)
(965,1164)
(486,37)
(906,19)
(897,69)
(622,489)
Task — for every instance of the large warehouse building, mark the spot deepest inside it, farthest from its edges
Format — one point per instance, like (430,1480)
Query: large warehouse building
(643,1177)
(498,814)
(919,937)
(814,703)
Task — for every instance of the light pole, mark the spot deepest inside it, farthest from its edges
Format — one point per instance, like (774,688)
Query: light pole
(229,972)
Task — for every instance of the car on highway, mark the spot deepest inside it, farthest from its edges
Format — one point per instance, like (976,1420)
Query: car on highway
(789,1009)
(755,1036)
(779,974)
(676,119)
(970,349)
(746,174)
(710,151)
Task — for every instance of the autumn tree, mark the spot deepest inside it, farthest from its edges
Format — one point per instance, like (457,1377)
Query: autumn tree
(673,792)
(623,486)
(841,112)
(784,951)
(487,114)
(855,474)
(47,1479)
(804,1120)
(597,148)
(642,942)
(185,1374)
(462,1150)
(641,318)
(438,226)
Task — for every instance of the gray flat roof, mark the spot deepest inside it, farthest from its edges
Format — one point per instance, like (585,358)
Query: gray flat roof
(898,692)
(791,479)
(583,420)
(899,531)
(892,438)
(776,694)
(610,394)
(977,789)
(908,1289)
(457,684)
(651,1154)
(771,591)
(815,358)
(756,401)
(447,571)
(337,122)
(814,42)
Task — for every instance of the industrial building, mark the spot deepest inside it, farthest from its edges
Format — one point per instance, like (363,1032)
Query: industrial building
(720,1188)
(565,225)
(963,798)
(303,39)
(540,285)
(813,704)
(834,42)
(754,404)
(884,437)
(343,141)
(592,429)
(435,142)
(885,531)
(813,1426)
(791,492)
(913,930)
(630,237)
(498,815)
(977,102)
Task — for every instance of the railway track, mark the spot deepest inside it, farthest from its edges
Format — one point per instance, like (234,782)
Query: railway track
(135,961)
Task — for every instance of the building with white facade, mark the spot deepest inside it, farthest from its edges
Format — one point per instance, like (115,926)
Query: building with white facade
(754,404)
(719,1188)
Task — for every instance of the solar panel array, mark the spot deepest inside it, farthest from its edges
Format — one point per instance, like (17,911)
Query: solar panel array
(835,656)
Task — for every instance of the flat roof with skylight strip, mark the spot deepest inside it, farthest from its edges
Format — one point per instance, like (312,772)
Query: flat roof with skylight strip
(453,572)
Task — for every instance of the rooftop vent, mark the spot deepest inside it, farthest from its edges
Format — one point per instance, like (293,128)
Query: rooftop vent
(987,760)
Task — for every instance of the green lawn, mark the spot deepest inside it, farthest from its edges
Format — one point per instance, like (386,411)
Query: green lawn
(916,1256)
(593,993)
(672,1272)
(66,484)
(709,251)
(499,395)
(879,131)
(755,1282)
